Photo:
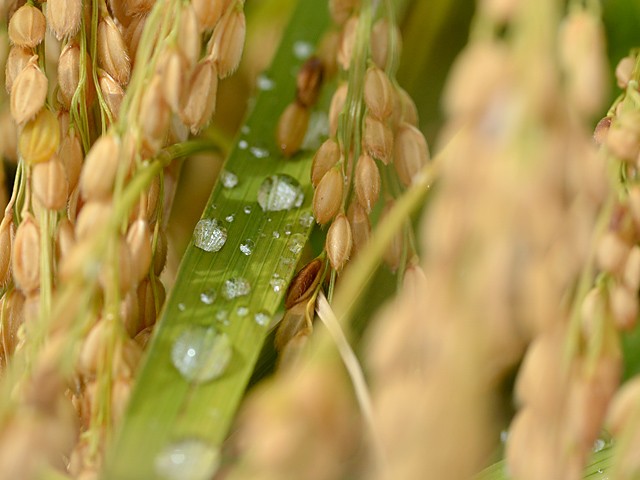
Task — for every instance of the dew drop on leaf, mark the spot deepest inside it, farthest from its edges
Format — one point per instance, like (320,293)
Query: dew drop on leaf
(228,179)
(247,246)
(201,354)
(189,459)
(235,287)
(209,236)
(280,192)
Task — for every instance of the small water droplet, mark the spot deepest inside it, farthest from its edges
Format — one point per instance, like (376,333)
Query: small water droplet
(182,307)
(296,243)
(228,179)
(245,129)
(188,459)
(302,50)
(276,234)
(598,445)
(280,192)
(247,209)
(208,296)
(277,283)
(242,311)
(230,218)
(286,261)
(235,287)
(222,316)
(317,131)
(247,246)
(209,236)
(265,83)
(262,318)
(288,228)
(201,354)
(306,219)
(504,435)
(259,152)
(243,144)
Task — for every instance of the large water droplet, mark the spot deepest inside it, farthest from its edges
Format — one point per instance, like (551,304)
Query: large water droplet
(288,228)
(247,246)
(306,219)
(265,83)
(280,192)
(262,318)
(259,152)
(302,50)
(277,283)
(201,353)
(296,243)
(228,179)
(235,287)
(188,459)
(209,236)
(208,296)
(276,234)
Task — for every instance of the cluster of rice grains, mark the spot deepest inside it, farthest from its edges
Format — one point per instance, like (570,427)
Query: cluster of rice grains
(97,92)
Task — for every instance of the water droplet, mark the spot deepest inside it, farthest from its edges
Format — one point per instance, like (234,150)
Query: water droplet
(201,353)
(286,261)
(317,131)
(302,50)
(242,311)
(277,283)
(235,287)
(306,219)
(208,296)
(230,218)
(182,307)
(262,318)
(265,83)
(288,228)
(247,209)
(189,459)
(598,445)
(276,234)
(296,243)
(229,179)
(247,246)
(209,236)
(222,316)
(245,129)
(259,152)
(280,192)
(504,435)
(243,144)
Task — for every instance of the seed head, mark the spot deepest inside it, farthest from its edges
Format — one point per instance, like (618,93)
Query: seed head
(49,184)
(327,197)
(112,51)
(292,127)
(378,140)
(325,158)
(29,92)
(410,152)
(63,17)
(16,61)
(8,137)
(25,259)
(339,242)
(147,301)
(39,138)
(367,182)
(328,50)
(612,252)
(623,137)
(309,81)
(378,93)
(27,26)
(100,167)
(227,42)
(624,406)
(200,100)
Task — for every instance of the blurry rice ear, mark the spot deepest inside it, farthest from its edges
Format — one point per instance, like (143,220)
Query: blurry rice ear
(410,153)
(139,241)
(200,102)
(347,42)
(7,230)
(294,322)
(29,92)
(335,109)
(341,10)
(132,35)
(172,68)
(393,253)
(64,17)
(70,154)
(12,317)
(39,138)
(227,42)
(154,115)
(208,12)
(309,82)
(380,41)
(100,168)
(113,56)
(65,238)
(292,128)
(25,260)
(137,7)
(27,26)
(188,34)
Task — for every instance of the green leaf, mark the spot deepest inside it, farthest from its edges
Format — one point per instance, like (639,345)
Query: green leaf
(164,406)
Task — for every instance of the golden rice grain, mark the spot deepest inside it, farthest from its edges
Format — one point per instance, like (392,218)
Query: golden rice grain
(325,158)
(27,26)
(39,138)
(339,242)
(112,93)
(200,101)
(304,283)
(367,182)
(291,129)
(410,153)
(69,73)
(139,241)
(227,42)
(378,93)
(29,92)
(208,12)
(100,167)
(309,81)
(49,184)
(16,61)
(378,140)
(6,240)
(70,154)
(25,259)
(113,56)
(64,17)
(327,197)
